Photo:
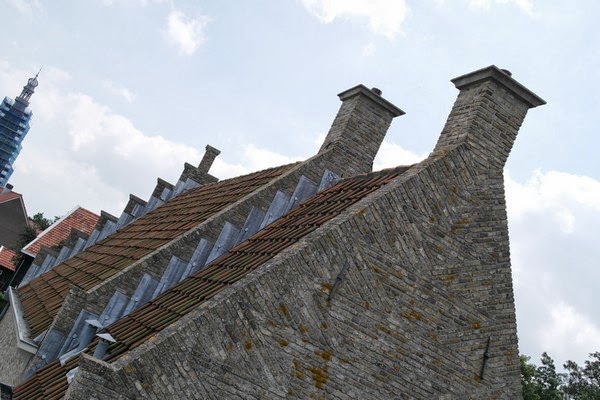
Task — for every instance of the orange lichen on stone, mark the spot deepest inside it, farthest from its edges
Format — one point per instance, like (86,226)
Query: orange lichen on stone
(283,309)
(412,315)
(320,376)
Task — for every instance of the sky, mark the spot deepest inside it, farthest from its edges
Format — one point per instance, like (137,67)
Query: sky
(132,89)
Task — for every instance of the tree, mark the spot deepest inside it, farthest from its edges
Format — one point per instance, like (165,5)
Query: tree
(529,379)
(38,223)
(583,383)
(41,222)
(549,379)
(577,383)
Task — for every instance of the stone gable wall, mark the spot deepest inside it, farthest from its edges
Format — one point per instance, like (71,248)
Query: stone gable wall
(398,325)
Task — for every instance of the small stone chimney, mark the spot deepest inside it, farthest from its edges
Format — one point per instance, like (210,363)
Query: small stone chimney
(7,189)
(200,174)
(359,127)
(209,157)
(487,114)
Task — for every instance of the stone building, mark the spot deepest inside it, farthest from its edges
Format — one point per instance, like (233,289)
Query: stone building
(319,279)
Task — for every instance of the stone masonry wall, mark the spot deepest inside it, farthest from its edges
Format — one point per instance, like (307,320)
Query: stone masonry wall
(365,120)
(397,327)
(13,360)
(155,264)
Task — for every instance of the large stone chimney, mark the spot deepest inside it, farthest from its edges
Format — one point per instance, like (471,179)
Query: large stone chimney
(359,127)
(487,114)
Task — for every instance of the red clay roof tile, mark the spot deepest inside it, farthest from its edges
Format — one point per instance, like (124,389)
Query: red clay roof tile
(80,219)
(134,329)
(42,297)
(6,256)
(9,196)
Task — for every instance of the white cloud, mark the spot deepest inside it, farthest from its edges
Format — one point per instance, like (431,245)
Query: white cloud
(554,193)
(118,90)
(569,333)
(185,32)
(368,50)
(553,219)
(60,177)
(392,155)
(524,5)
(26,7)
(135,2)
(384,17)
(253,159)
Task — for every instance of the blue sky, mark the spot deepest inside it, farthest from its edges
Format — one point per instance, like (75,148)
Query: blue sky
(130,89)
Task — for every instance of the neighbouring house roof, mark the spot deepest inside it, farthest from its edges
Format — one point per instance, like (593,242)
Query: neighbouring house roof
(42,297)
(79,218)
(9,196)
(6,256)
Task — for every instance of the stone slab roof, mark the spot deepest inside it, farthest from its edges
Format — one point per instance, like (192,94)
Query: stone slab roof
(79,218)
(42,297)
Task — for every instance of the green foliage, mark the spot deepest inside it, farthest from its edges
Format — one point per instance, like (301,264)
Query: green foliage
(42,222)
(576,383)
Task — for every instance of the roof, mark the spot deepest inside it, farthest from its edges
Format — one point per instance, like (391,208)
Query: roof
(42,297)
(6,256)
(153,317)
(9,196)
(79,218)
(48,383)
(131,331)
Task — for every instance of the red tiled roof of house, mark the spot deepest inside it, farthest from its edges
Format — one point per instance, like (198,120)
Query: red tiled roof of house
(137,327)
(9,196)
(80,219)
(42,297)
(6,256)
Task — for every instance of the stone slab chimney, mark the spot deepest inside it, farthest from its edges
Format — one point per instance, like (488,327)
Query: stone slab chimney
(360,126)
(487,114)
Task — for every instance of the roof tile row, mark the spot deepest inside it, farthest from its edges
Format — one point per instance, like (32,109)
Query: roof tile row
(42,297)
(135,328)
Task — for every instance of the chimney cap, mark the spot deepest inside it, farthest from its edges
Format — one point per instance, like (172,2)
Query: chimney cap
(213,150)
(363,90)
(504,78)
